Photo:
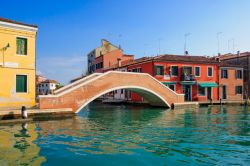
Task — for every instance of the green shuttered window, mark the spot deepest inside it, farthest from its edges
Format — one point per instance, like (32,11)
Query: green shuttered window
(21,83)
(21,44)
(159,70)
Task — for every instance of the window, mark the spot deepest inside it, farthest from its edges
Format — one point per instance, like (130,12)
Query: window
(224,73)
(121,91)
(134,70)
(239,74)
(21,83)
(210,72)
(197,71)
(129,70)
(21,44)
(172,87)
(201,91)
(238,90)
(174,70)
(159,70)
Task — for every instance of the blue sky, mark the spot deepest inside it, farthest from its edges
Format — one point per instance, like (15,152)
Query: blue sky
(68,30)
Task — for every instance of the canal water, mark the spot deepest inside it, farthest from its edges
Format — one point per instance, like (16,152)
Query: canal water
(129,135)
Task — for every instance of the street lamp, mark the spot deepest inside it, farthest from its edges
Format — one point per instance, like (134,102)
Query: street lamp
(4,49)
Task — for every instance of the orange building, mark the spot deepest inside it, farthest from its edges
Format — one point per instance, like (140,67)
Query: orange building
(230,82)
(106,56)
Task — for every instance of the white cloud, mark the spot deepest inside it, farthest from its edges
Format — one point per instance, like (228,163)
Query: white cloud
(62,68)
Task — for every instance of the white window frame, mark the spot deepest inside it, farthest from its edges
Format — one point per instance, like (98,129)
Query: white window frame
(163,70)
(212,71)
(199,71)
(241,74)
(21,55)
(222,72)
(174,86)
(27,75)
(171,71)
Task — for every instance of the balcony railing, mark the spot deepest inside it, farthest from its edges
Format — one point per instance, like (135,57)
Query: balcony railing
(187,77)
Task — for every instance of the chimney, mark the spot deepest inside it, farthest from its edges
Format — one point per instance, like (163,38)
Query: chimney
(186,52)
(238,53)
(119,62)
(219,54)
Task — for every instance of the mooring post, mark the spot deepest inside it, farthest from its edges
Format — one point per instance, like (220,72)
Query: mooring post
(24,112)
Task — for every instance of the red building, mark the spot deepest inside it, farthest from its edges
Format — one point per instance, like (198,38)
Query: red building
(194,76)
(200,78)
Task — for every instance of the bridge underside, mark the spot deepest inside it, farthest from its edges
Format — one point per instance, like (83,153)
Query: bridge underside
(151,98)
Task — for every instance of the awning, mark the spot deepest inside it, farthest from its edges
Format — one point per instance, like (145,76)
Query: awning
(207,84)
(188,83)
(168,83)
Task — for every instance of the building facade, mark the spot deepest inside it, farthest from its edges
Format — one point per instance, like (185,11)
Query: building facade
(198,77)
(106,56)
(230,82)
(17,64)
(47,87)
(243,60)
(194,76)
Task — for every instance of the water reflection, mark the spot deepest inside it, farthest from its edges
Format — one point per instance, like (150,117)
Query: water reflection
(203,134)
(209,135)
(17,145)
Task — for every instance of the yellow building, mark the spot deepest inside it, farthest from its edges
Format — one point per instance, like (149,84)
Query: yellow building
(17,64)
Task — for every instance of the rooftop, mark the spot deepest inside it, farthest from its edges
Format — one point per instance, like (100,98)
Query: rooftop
(16,22)
(49,81)
(232,56)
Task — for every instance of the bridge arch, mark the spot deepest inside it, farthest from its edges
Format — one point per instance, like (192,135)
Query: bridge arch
(77,95)
(144,92)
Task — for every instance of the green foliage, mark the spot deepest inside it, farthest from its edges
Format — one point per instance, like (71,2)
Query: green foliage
(58,86)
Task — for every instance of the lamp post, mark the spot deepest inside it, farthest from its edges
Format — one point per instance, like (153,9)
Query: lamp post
(4,49)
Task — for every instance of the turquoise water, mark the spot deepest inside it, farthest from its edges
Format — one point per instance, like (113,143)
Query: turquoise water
(128,135)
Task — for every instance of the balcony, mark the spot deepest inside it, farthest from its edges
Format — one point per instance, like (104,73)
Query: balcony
(188,77)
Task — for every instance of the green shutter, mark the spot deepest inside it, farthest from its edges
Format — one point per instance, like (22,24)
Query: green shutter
(21,46)
(21,83)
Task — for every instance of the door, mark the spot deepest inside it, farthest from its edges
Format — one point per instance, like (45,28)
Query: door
(187,92)
(209,93)
(224,92)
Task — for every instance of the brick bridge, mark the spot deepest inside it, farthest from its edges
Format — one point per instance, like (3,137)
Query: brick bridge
(80,93)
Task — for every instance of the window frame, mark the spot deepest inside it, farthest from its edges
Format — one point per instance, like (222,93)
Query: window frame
(236,90)
(155,70)
(199,71)
(27,83)
(171,70)
(237,74)
(22,37)
(174,87)
(211,70)
(224,69)
(205,91)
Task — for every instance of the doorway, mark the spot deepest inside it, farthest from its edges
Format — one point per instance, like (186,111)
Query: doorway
(224,92)
(187,91)
(209,93)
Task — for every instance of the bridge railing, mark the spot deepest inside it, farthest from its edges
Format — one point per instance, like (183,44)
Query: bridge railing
(78,82)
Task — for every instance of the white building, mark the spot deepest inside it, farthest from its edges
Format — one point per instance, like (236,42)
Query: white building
(47,87)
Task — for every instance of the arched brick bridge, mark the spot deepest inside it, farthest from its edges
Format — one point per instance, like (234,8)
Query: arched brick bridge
(78,94)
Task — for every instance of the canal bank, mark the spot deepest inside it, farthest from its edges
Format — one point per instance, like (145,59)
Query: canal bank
(15,115)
